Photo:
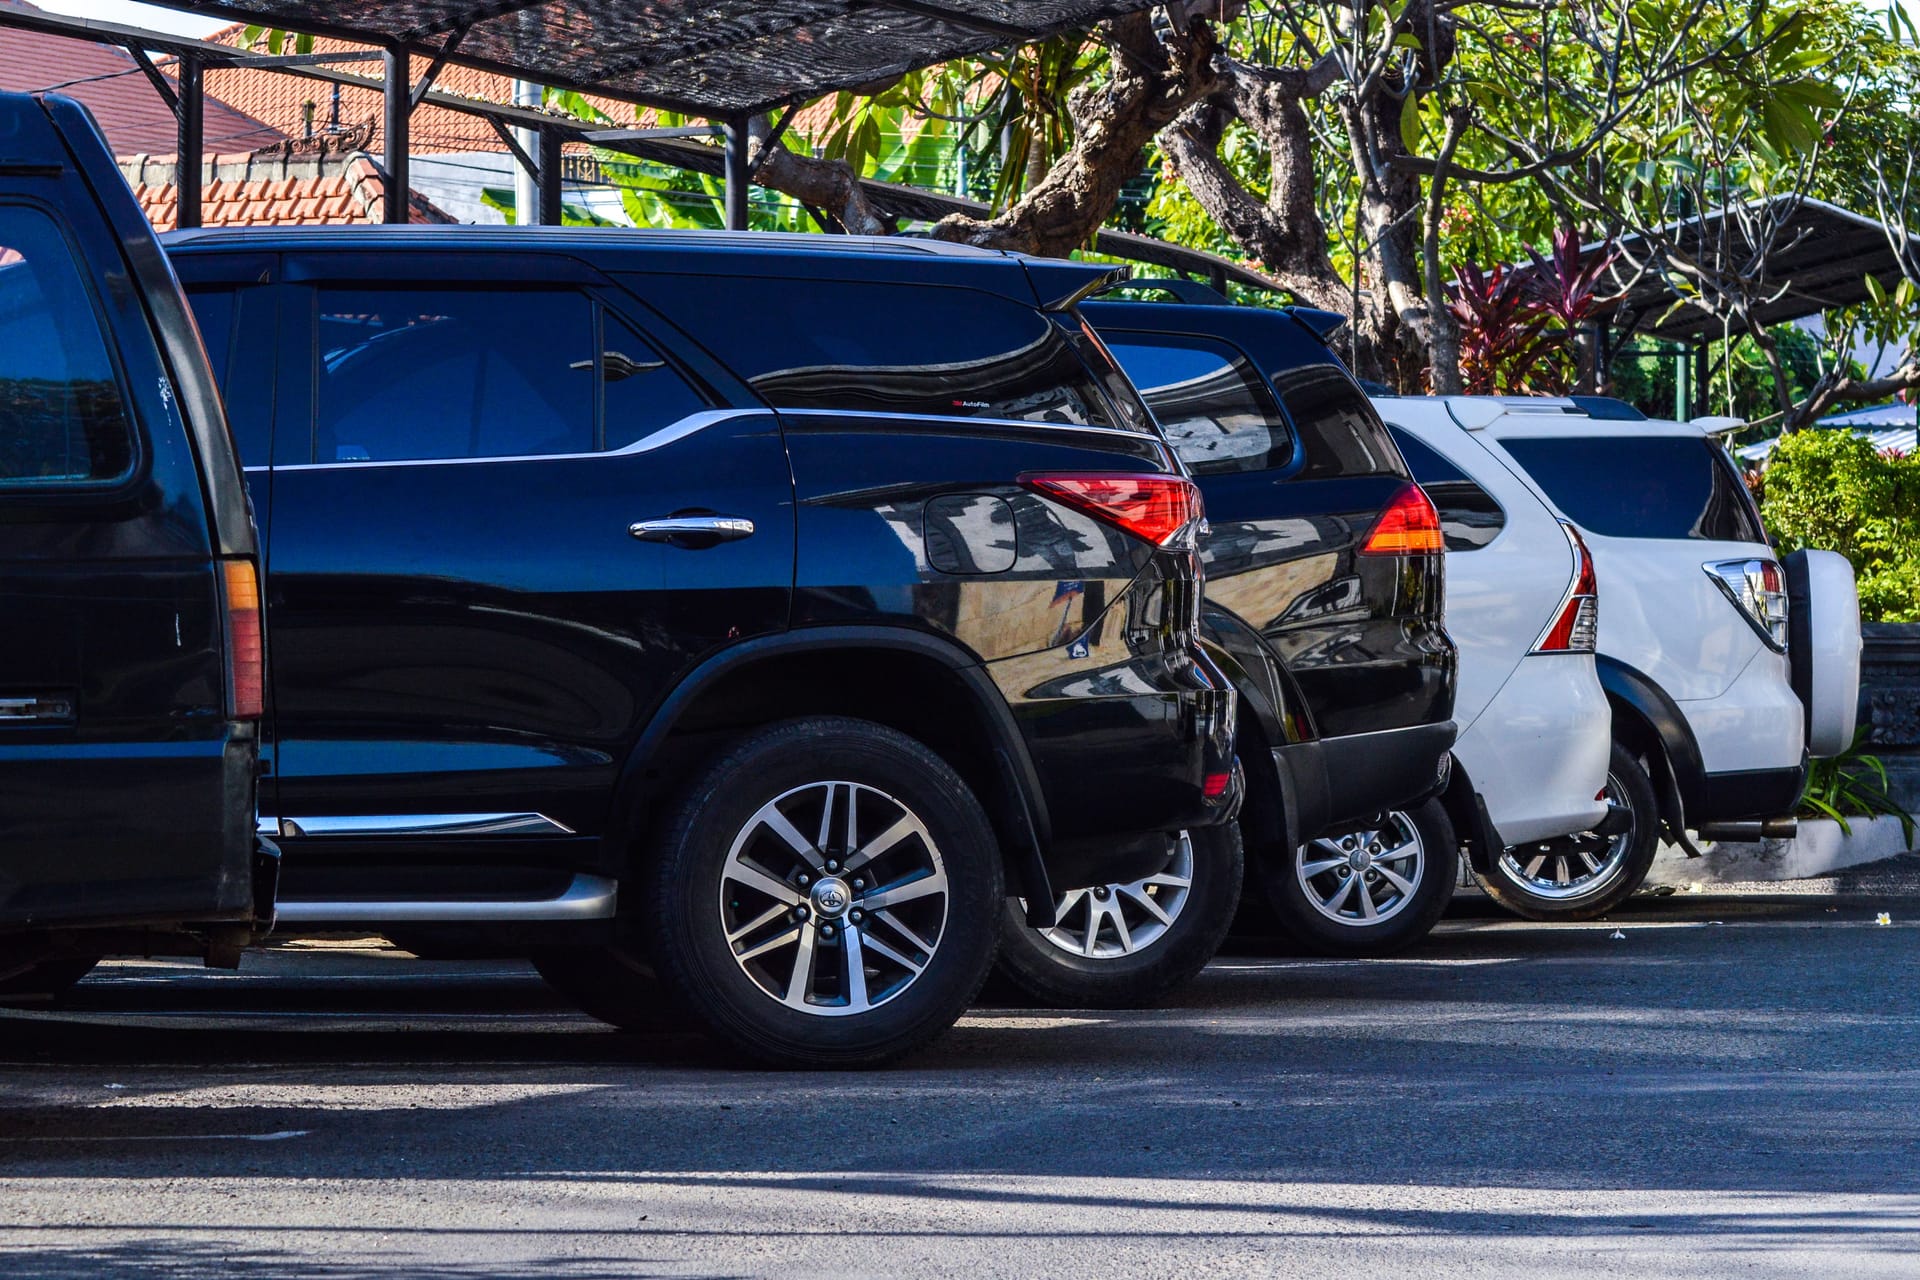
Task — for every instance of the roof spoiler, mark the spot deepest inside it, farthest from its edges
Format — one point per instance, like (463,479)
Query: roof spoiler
(1080,280)
(1323,323)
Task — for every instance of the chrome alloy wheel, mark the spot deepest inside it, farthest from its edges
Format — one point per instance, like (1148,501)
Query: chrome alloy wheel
(1576,866)
(1108,920)
(839,921)
(1363,877)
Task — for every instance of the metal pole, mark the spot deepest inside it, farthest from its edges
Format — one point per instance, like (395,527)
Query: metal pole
(739,181)
(190,142)
(1702,379)
(399,109)
(526,195)
(549,157)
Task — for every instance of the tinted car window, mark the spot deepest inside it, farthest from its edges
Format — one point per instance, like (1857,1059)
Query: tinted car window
(213,312)
(894,348)
(62,419)
(1641,486)
(1339,430)
(643,393)
(1469,517)
(453,373)
(1211,401)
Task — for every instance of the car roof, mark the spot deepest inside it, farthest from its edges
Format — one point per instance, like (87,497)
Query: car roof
(1547,415)
(468,236)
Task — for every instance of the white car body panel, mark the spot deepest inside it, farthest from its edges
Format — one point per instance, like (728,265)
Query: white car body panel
(1535,728)
(1756,723)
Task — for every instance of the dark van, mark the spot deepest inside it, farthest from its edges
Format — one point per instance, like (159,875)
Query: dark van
(130,625)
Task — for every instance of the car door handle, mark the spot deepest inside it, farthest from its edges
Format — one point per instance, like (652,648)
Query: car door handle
(693,531)
(36,710)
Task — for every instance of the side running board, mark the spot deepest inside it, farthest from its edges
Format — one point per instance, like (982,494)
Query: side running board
(587,898)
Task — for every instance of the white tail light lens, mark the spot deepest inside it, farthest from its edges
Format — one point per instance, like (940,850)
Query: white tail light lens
(1758,589)
(1576,624)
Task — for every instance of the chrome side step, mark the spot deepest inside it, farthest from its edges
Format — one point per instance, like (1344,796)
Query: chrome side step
(587,898)
(389,826)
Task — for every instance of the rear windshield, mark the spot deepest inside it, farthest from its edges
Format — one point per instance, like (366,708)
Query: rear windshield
(62,421)
(1642,486)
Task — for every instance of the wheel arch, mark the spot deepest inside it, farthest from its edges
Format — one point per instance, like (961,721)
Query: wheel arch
(922,685)
(1646,720)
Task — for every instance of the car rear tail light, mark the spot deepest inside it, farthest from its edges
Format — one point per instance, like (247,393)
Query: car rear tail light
(1758,588)
(246,650)
(1215,785)
(1576,625)
(1162,509)
(1410,526)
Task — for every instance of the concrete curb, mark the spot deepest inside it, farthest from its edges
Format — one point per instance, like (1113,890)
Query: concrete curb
(1820,849)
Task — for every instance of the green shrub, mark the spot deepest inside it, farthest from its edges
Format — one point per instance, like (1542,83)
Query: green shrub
(1831,489)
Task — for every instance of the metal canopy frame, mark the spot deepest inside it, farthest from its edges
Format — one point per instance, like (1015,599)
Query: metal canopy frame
(675,147)
(725,60)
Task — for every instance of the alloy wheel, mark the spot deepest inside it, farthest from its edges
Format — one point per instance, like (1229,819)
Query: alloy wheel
(1105,921)
(833,898)
(1363,877)
(1576,866)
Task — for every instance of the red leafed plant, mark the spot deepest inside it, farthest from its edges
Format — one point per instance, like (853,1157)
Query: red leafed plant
(1503,331)
(1515,325)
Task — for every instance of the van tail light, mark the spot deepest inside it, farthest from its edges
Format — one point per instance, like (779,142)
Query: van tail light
(1758,589)
(1576,624)
(1162,509)
(246,648)
(1410,526)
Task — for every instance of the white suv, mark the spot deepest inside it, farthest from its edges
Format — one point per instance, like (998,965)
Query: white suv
(1724,665)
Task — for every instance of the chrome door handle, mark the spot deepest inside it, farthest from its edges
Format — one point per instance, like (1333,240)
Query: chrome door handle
(697,530)
(36,710)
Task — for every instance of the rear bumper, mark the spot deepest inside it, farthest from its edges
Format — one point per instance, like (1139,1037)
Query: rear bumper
(1748,794)
(1369,773)
(1538,753)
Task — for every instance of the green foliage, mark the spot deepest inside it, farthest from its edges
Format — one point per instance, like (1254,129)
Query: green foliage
(1740,383)
(1831,489)
(275,39)
(1852,784)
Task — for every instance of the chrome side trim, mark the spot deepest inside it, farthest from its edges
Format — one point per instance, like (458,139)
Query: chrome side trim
(418,824)
(587,898)
(672,432)
(981,421)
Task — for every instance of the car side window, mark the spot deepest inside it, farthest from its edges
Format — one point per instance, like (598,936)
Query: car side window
(453,373)
(860,346)
(63,421)
(1469,516)
(641,391)
(1210,400)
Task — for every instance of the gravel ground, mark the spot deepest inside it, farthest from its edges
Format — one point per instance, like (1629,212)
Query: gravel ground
(1709,1085)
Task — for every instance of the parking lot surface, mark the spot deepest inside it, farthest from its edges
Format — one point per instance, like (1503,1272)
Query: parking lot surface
(1703,1087)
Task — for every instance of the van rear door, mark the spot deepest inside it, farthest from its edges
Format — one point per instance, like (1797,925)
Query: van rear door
(127,751)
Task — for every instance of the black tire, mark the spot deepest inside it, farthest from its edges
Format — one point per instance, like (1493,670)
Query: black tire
(1052,967)
(1330,924)
(929,948)
(46,983)
(1587,893)
(614,983)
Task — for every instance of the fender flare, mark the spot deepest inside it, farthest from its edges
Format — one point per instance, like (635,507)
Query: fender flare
(1680,775)
(1021,817)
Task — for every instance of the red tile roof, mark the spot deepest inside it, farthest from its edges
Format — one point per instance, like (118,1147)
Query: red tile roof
(327,189)
(128,108)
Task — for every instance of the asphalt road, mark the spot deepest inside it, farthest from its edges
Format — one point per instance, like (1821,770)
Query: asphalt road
(1727,1088)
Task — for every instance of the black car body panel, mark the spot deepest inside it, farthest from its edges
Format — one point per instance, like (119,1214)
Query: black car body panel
(471,622)
(127,780)
(1348,670)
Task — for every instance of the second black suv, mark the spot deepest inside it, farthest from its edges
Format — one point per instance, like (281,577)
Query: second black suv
(711,608)
(1324,594)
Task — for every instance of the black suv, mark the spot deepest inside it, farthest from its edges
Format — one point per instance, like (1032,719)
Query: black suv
(130,658)
(710,608)
(1324,588)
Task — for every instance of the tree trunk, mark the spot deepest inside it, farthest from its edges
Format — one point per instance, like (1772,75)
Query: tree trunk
(1150,83)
